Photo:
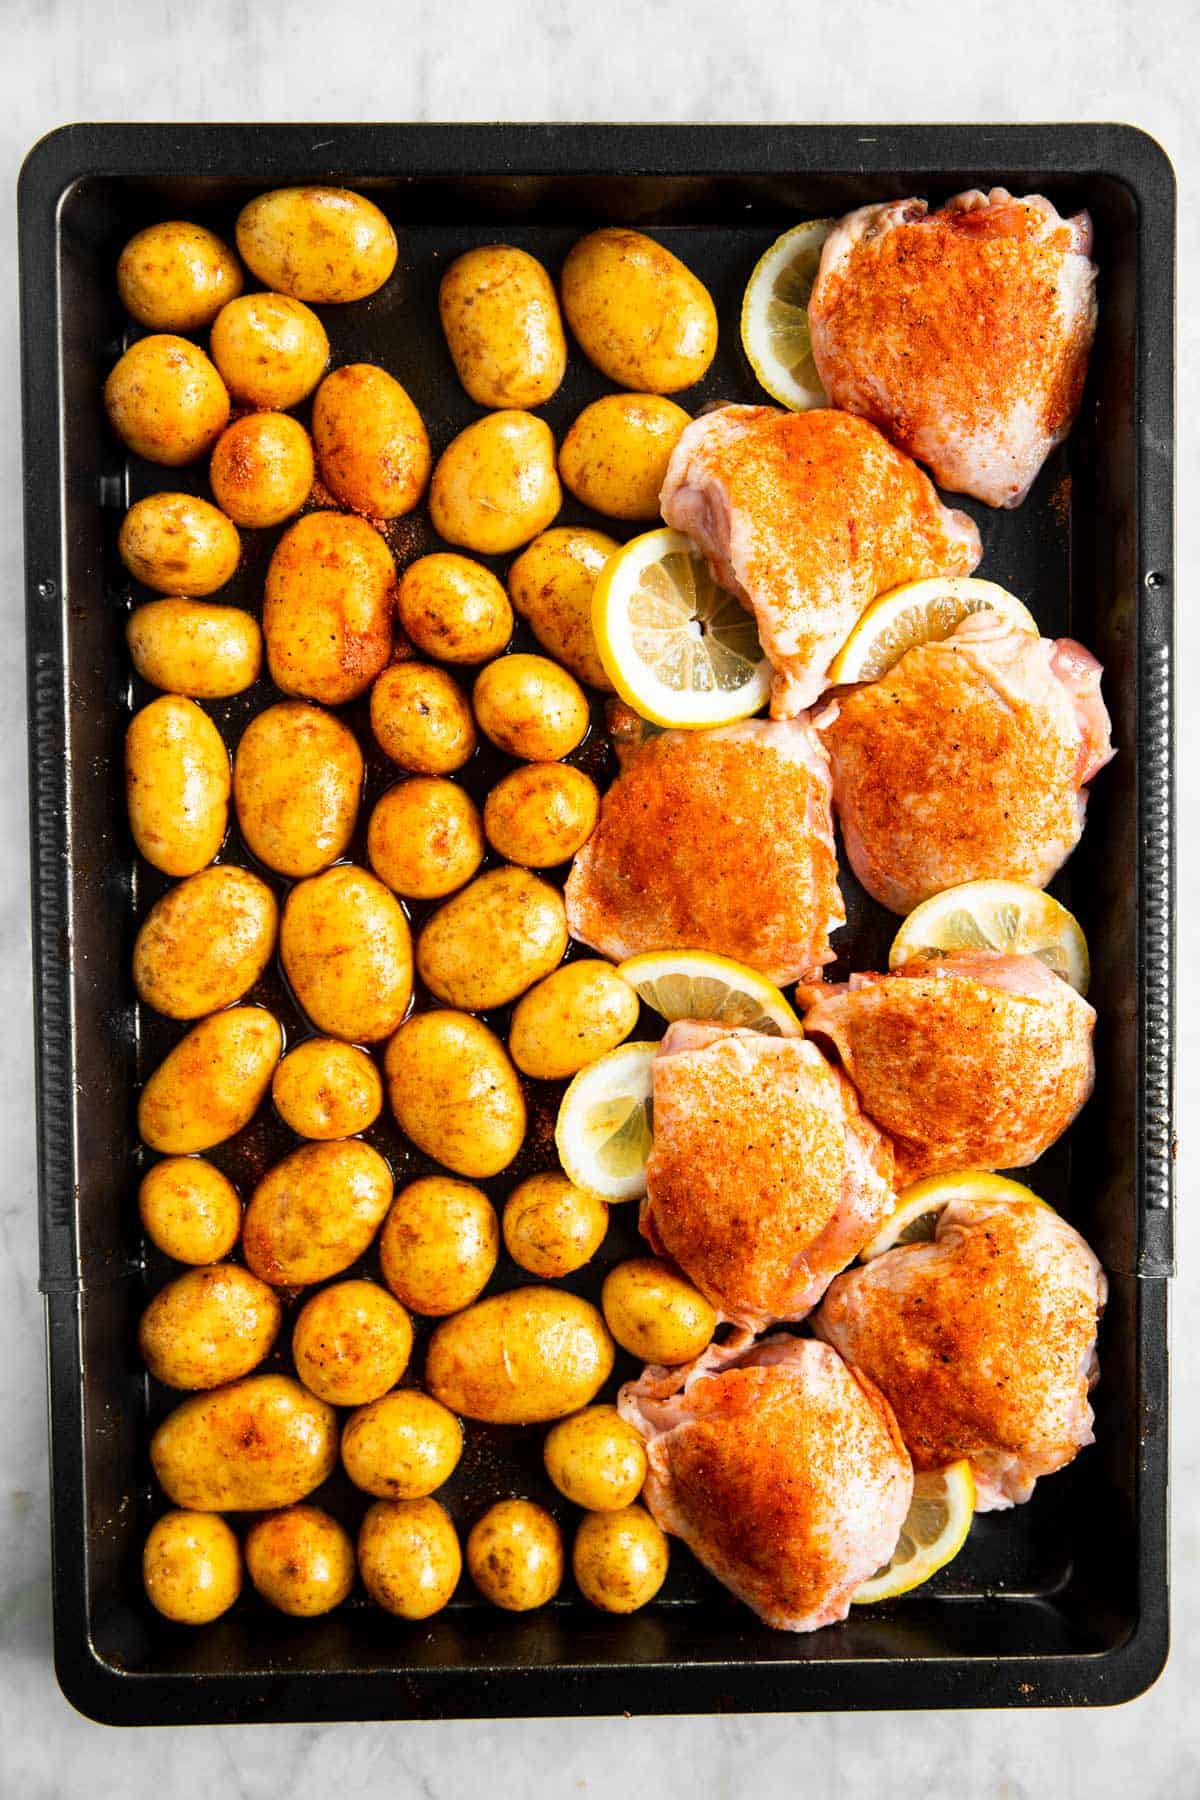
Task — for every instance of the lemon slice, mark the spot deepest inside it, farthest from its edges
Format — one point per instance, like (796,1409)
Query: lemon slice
(920,612)
(939,1518)
(603,1133)
(996,915)
(918,1208)
(695,984)
(677,648)
(775,332)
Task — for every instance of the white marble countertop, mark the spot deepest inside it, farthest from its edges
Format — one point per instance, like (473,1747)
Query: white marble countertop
(756,60)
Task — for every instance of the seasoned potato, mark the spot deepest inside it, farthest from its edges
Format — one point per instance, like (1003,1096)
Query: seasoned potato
(453,609)
(317,243)
(424,838)
(211,1083)
(654,1313)
(191,1567)
(402,1446)
(200,1451)
(262,469)
(189,1209)
(530,707)
(297,782)
(515,1555)
(421,719)
(455,1093)
(439,1245)
(327,608)
(347,951)
(502,325)
(271,350)
(619,1559)
(165,400)
(351,1343)
(176,277)
(327,1089)
(541,814)
(206,651)
(209,1326)
(614,458)
(572,1018)
(315,1212)
(495,485)
(300,1560)
(551,1227)
(205,943)
(640,315)
(488,944)
(532,1354)
(408,1557)
(176,785)
(372,445)
(179,545)
(596,1459)
(551,585)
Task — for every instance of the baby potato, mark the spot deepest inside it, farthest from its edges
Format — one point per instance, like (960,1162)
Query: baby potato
(455,1093)
(262,469)
(518,1358)
(212,1082)
(421,719)
(619,1559)
(654,1313)
(209,1326)
(496,486)
(493,940)
(572,1018)
(271,350)
(315,1212)
(297,782)
(326,1089)
(179,545)
(327,608)
(317,243)
(191,1567)
(541,814)
(175,276)
(424,838)
(189,1210)
(640,315)
(439,1245)
(453,609)
(551,585)
(206,651)
(260,1442)
(551,1227)
(347,951)
(614,458)
(596,1459)
(176,785)
(515,1555)
(500,316)
(408,1557)
(531,708)
(351,1343)
(372,445)
(165,400)
(205,943)
(300,1560)
(402,1446)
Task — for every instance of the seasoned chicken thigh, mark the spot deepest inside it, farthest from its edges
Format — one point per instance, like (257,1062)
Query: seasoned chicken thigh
(964,334)
(807,517)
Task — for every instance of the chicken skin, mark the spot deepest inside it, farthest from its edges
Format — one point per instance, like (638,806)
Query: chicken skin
(963,334)
(807,517)
(1013,721)
(974,1060)
(781,1468)
(765,1179)
(984,1341)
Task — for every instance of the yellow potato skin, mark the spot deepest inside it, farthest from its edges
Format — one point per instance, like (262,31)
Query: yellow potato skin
(372,445)
(200,1451)
(639,314)
(541,814)
(596,1459)
(551,1227)
(495,485)
(654,1313)
(191,1567)
(351,1343)
(409,1557)
(189,1210)
(439,1245)
(515,1555)
(208,1327)
(519,1358)
(614,458)
(262,469)
(503,329)
(493,940)
(327,609)
(454,1092)
(317,243)
(205,943)
(551,586)
(176,785)
(178,544)
(271,350)
(421,719)
(571,1018)
(619,1559)
(301,1561)
(326,1089)
(166,401)
(453,609)
(531,708)
(424,838)
(210,1084)
(297,783)
(347,951)
(315,1212)
(203,650)
(176,276)
(402,1446)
